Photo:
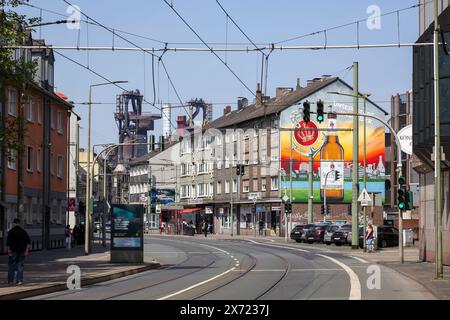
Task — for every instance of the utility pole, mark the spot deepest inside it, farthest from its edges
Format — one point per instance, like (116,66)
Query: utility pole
(290,180)
(437,146)
(310,189)
(149,201)
(231,209)
(355,169)
(365,177)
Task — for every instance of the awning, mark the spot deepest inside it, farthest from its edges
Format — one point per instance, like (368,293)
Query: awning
(190,210)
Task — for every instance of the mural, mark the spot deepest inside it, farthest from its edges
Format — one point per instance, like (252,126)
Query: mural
(331,143)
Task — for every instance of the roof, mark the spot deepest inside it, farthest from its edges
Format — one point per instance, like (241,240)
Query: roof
(276,104)
(51,95)
(148,156)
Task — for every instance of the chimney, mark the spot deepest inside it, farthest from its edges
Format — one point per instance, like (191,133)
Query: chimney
(298,87)
(282,91)
(181,125)
(242,103)
(227,110)
(259,97)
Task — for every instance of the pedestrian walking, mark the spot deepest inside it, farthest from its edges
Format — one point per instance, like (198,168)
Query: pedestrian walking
(211,228)
(76,234)
(68,237)
(205,228)
(369,238)
(18,243)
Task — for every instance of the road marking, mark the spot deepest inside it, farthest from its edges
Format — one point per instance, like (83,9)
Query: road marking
(292,270)
(275,246)
(201,244)
(359,259)
(196,285)
(355,285)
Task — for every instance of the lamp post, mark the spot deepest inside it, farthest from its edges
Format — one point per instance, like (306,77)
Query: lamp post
(88,218)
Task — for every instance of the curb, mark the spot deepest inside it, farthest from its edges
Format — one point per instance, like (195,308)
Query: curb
(86,282)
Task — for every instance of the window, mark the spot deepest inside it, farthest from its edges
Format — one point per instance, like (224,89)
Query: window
(234,160)
(39,113)
(202,189)
(30,159)
(274,183)
(12,102)
(12,159)
(60,167)
(52,118)
(202,167)
(185,191)
(60,122)
(30,113)
(263,185)
(219,187)
(246,186)
(52,171)
(211,189)
(218,141)
(185,169)
(234,185)
(227,186)
(219,163)
(227,162)
(227,138)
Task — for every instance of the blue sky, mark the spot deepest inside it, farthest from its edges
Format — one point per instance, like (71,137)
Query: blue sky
(383,72)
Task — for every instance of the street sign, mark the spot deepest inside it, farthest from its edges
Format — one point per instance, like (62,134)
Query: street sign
(72,204)
(365,199)
(285,198)
(158,208)
(405,137)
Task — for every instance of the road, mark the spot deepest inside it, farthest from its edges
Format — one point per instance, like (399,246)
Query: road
(196,269)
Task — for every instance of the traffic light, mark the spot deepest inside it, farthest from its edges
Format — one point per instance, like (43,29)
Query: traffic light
(328,209)
(337,175)
(306,112)
(288,207)
(320,116)
(238,170)
(242,170)
(401,194)
(409,200)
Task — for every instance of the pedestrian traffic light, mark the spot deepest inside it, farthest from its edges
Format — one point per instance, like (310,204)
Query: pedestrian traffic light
(401,199)
(337,175)
(238,170)
(242,170)
(328,209)
(409,200)
(320,116)
(401,182)
(306,112)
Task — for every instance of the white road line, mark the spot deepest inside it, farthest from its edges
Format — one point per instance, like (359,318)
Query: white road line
(275,246)
(355,285)
(201,244)
(359,259)
(292,270)
(196,285)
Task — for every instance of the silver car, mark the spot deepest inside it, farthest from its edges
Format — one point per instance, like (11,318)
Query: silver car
(329,232)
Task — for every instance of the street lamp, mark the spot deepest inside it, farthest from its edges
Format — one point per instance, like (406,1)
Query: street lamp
(88,221)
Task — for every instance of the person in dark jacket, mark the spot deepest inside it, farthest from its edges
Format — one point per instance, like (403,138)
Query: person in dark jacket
(18,243)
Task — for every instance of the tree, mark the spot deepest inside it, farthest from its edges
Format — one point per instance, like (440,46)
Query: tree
(15,71)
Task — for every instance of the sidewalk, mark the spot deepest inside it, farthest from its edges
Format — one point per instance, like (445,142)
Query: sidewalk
(413,268)
(45,271)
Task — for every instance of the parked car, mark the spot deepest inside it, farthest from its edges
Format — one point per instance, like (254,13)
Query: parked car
(340,236)
(329,232)
(296,233)
(316,234)
(306,228)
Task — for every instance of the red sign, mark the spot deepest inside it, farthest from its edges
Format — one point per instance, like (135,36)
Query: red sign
(306,134)
(72,205)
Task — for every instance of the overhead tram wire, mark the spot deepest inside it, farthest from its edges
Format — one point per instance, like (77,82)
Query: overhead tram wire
(351,23)
(130,42)
(200,38)
(107,80)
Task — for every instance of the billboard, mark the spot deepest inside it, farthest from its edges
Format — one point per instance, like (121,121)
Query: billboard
(331,144)
(164,196)
(127,227)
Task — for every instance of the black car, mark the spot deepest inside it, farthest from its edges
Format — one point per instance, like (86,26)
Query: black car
(340,236)
(305,230)
(387,236)
(297,232)
(316,233)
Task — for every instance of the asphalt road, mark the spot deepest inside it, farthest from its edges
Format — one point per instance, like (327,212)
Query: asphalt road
(195,269)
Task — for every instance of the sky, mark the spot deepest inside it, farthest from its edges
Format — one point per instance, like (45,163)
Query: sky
(382,71)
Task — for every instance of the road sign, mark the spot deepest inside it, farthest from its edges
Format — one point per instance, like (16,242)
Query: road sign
(72,204)
(285,198)
(158,208)
(365,199)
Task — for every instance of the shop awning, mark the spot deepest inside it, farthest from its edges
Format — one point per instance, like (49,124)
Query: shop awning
(190,210)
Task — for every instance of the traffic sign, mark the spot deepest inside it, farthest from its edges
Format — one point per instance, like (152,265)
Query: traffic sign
(285,198)
(158,208)
(72,204)
(365,198)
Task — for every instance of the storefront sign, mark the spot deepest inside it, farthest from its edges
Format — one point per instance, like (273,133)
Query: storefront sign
(208,210)
(405,137)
